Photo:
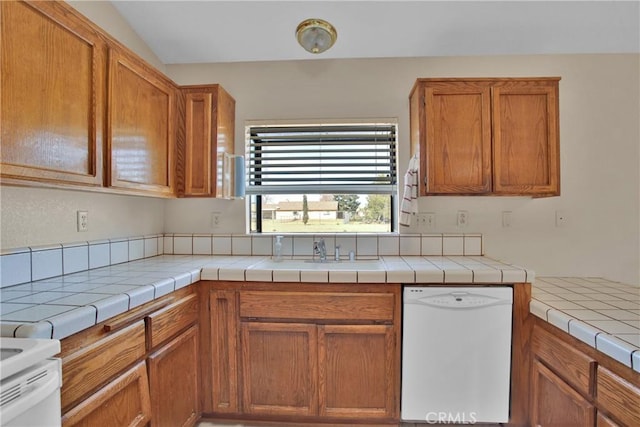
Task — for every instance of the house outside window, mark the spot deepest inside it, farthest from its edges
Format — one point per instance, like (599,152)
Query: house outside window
(322,177)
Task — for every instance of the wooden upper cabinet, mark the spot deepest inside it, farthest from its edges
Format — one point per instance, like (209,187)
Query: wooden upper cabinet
(458,152)
(525,137)
(52,96)
(486,136)
(141,126)
(205,134)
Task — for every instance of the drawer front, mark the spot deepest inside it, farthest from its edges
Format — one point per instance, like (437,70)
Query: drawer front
(169,321)
(89,368)
(317,305)
(575,367)
(618,397)
(124,401)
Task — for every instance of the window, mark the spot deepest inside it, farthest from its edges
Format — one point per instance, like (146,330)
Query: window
(330,177)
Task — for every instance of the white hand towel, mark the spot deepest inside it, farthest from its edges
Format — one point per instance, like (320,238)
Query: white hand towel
(409,205)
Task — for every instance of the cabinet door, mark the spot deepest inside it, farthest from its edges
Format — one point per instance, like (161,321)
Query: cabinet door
(141,128)
(279,368)
(554,403)
(208,126)
(525,138)
(356,371)
(123,402)
(458,138)
(223,371)
(199,150)
(52,97)
(173,379)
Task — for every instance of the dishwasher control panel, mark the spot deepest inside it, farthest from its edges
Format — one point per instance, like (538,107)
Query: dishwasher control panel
(442,297)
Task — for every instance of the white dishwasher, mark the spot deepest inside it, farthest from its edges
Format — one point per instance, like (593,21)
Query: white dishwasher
(456,354)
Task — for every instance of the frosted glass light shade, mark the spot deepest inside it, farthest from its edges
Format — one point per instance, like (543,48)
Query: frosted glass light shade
(316,35)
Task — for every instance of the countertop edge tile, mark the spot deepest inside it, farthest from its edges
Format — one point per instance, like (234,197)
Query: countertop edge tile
(615,348)
(42,329)
(635,360)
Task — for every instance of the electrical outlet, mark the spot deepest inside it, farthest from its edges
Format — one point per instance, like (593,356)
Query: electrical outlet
(215,220)
(506,219)
(463,219)
(83,220)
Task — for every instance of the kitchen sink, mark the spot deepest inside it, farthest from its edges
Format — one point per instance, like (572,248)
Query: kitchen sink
(308,264)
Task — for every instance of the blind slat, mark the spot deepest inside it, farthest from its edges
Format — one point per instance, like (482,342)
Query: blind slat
(315,158)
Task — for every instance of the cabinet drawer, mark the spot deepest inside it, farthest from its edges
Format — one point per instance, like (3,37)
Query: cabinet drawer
(106,407)
(618,397)
(167,322)
(575,367)
(317,305)
(91,367)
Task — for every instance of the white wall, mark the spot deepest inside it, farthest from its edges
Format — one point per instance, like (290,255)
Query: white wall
(599,140)
(105,16)
(36,216)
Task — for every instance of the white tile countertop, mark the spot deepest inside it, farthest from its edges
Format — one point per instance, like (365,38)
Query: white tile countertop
(599,312)
(60,306)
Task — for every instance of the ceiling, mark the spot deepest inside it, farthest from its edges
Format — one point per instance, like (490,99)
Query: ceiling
(233,31)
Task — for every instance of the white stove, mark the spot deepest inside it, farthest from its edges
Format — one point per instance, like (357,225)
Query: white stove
(30,382)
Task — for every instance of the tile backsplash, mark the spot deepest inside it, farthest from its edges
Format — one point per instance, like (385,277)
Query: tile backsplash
(35,263)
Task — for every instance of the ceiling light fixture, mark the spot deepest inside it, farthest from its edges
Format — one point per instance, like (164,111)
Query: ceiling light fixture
(316,35)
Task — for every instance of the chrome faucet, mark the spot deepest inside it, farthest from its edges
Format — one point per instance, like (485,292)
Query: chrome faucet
(320,248)
(337,253)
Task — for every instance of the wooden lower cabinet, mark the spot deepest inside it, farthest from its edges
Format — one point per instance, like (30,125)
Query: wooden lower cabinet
(140,368)
(123,402)
(555,403)
(305,352)
(279,368)
(356,364)
(173,379)
(573,384)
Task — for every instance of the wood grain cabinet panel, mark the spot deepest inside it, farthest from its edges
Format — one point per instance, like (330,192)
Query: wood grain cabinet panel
(356,371)
(603,421)
(173,380)
(123,402)
(141,126)
(93,366)
(52,97)
(458,150)
(317,305)
(486,136)
(555,403)
(205,134)
(577,368)
(618,397)
(572,383)
(525,138)
(223,341)
(279,368)
(169,321)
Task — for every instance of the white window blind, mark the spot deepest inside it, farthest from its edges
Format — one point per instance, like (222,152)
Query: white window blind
(320,159)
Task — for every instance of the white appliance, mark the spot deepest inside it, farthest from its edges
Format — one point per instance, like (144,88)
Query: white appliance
(456,354)
(30,382)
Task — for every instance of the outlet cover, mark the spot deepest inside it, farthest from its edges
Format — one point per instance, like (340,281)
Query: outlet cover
(83,220)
